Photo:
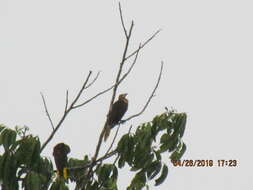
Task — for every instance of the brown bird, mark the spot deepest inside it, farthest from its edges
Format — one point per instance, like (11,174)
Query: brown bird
(60,153)
(118,109)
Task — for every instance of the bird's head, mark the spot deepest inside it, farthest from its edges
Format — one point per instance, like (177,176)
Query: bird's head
(122,96)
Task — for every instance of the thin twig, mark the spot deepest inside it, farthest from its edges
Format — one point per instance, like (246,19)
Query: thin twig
(150,97)
(111,87)
(81,90)
(130,128)
(143,44)
(67,101)
(122,20)
(66,113)
(47,113)
(114,138)
(94,80)
(124,76)
(121,65)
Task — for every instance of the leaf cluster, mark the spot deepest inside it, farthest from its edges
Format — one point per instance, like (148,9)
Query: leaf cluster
(143,153)
(21,161)
(142,150)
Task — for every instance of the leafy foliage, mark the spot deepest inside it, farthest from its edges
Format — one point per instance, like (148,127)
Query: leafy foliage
(22,165)
(21,161)
(140,151)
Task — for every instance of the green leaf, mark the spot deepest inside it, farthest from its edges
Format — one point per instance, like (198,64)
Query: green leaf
(121,148)
(158,155)
(165,138)
(28,151)
(104,172)
(153,169)
(59,184)
(138,181)
(32,181)
(182,124)
(7,138)
(9,172)
(121,162)
(115,173)
(178,153)
(163,176)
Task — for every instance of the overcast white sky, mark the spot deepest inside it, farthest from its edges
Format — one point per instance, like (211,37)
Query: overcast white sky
(49,46)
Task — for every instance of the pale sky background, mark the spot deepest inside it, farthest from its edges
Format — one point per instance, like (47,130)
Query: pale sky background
(49,46)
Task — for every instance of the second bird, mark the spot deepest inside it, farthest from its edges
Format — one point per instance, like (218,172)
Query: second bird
(118,110)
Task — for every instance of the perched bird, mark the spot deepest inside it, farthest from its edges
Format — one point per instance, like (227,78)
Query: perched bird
(60,153)
(118,109)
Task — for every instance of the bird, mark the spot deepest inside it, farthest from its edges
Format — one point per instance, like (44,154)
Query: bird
(117,111)
(60,153)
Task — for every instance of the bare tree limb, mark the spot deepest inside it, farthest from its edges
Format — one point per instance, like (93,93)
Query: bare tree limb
(81,90)
(46,110)
(122,20)
(114,89)
(66,112)
(114,138)
(67,101)
(150,97)
(143,44)
(111,87)
(126,58)
(121,65)
(93,81)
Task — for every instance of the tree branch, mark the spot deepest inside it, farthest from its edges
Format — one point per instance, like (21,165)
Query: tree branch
(143,44)
(111,87)
(67,101)
(66,111)
(46,110)
(114,138)
(122,20)
(150,97)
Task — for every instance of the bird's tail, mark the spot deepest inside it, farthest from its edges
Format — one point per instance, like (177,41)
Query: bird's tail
(107,132)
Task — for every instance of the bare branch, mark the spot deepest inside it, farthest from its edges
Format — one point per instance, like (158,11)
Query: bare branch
(122,20)
(122,78)
(114,138)
(143,44)
(67,101)
(94,80)
(66,112)
(47,113)
(130,128)
(114,89)
(116,84)
(111,87)
(121,65)
(81,90)
(150,97)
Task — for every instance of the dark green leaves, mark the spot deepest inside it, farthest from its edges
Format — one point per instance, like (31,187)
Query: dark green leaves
(21,161)
(178,153)
(59,184)
(143,154)
(107,175)
(7,137)
(163,176)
